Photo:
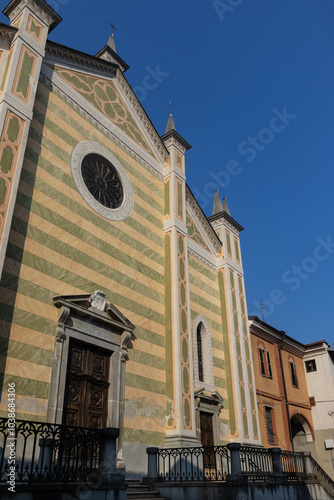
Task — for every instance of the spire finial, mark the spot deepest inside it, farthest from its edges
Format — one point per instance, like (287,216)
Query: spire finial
(112,28)
(170,123)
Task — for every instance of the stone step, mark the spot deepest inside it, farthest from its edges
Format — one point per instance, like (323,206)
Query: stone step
(137,491)
(145,495)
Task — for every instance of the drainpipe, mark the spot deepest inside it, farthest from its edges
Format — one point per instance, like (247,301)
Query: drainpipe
(285,392)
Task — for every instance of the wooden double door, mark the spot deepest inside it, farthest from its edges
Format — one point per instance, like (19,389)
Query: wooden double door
(87,384)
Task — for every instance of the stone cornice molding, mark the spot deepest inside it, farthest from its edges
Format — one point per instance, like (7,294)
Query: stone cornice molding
(173,138)
(39,7)
(226,220)
(109,55)
(59,53)
(226,261)
(267,332)
(200,258)
(55,84)
(171,142)
(111,316)
(131,98)
(316,350)
(199,217)
(7,33)
(202,253)
(176,224)
(169,170)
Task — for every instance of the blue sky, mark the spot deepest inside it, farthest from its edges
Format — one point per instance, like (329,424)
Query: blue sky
(252,89)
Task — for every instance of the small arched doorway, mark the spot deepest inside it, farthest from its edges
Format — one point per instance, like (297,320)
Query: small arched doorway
(302,435)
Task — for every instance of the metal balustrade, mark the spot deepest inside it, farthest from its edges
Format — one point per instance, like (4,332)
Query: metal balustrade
(38,452)
(256,463)
(293,465)
(234,463)
(193,464)
(322,478)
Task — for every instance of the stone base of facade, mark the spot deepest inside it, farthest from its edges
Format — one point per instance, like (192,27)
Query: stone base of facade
(179,441)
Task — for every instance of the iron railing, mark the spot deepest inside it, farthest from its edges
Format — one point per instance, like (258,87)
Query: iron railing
(322,478)
(256,463)
(48,452)
(293,465)
(193,464)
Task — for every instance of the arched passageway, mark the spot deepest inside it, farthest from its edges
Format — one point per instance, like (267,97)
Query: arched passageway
(302,436)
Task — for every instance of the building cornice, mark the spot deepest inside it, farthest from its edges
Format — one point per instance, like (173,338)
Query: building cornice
(141,114)
(195,251)
(108,54)
(7,33)
(39,7)
(270,333)
(227,219)
(85,61)
(174,137)
(206,227)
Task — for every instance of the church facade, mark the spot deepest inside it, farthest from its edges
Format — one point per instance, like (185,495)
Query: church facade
(121,303)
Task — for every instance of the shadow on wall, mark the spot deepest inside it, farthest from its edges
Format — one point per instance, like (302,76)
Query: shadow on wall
(10,283)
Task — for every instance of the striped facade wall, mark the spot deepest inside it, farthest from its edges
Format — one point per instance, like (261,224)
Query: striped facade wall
(205,300)
(59,246)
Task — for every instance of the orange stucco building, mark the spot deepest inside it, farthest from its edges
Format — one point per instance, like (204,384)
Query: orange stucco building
(281,389)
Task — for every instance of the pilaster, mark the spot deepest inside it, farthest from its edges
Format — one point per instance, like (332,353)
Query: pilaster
(181,426)
(22,60)
(243,410)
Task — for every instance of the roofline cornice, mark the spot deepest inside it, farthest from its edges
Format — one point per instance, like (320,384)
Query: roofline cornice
(211,233)
(72,55)
(226,216)
(7,32)
(261,328)
(43,7)
(122,64)
(175,135)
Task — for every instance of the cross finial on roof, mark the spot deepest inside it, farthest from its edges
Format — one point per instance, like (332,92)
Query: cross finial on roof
(112,28)
(223,190)
(170,107)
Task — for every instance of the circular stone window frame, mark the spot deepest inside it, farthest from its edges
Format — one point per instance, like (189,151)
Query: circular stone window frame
(85,148)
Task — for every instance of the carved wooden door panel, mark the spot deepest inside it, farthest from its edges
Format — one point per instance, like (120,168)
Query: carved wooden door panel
(206,420)
(86,397)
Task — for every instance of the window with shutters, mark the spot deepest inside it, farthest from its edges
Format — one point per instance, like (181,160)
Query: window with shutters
(265,364)
(269,415)
(293,373)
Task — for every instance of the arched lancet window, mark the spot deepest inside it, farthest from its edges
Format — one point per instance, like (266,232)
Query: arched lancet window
(200,353)
(203,361)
